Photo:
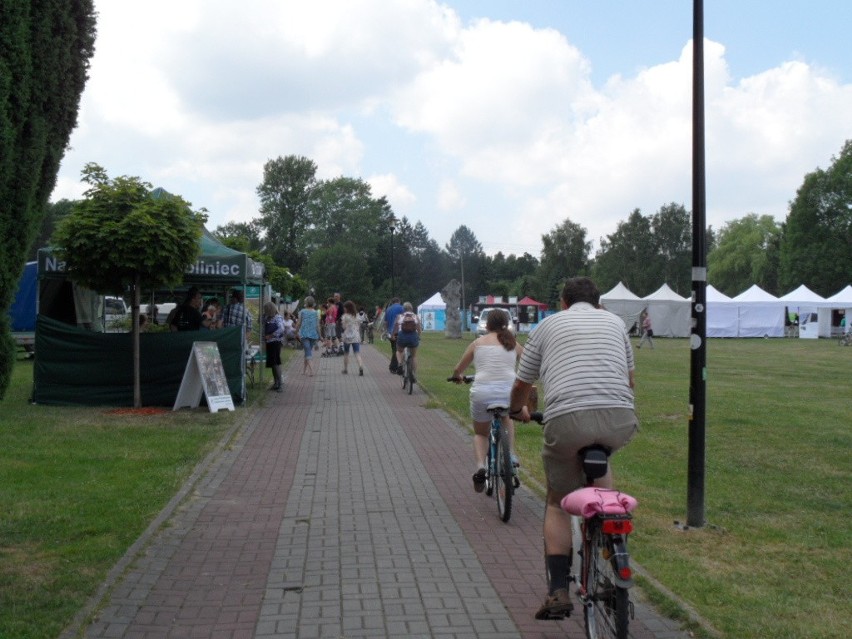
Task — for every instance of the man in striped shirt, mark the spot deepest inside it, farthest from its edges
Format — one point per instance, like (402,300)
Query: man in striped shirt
(584,359)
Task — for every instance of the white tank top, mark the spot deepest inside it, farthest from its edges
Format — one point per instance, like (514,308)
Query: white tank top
(494,363)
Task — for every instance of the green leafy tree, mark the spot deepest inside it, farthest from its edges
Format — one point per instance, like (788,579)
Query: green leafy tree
(45,48)
(241,236)
(430,267)
(53,214)
(286,200)
(565,253)
(467,254)
(646,252)
(672,236)
(125,238)
(339,268)
(816,246)
(746,253)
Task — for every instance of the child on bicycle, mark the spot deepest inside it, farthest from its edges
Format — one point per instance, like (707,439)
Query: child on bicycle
(406,333)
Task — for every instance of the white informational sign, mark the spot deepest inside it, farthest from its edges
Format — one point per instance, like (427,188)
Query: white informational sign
(204,374)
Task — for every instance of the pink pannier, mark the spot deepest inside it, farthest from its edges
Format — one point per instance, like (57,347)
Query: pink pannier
(590,501)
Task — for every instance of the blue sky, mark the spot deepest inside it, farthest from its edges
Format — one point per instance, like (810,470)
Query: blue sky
(505,116)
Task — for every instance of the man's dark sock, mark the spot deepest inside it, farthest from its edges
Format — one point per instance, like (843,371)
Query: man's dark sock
(558,567)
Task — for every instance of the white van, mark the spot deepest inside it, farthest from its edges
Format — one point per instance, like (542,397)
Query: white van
(116,311)
(482,320)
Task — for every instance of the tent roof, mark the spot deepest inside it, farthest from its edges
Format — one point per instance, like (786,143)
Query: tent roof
(801,294)
(665,293)
(755,294)
(619,292)
(436,301)
(528,301)
(715,295)
(217,264)
(843,296)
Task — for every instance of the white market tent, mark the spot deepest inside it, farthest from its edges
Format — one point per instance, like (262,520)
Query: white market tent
(670,313)
(805,304)
(433,313)
(802,297)
(815,318)
(722,314)
(624,303)
(760,313)
(843,299)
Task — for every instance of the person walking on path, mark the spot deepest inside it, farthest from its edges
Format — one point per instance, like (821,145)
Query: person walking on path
(647,331)
(494,356)
(307,327)
(351,337)
(273,335)
(584,359)
(330,328)
(393,311)
(338,325)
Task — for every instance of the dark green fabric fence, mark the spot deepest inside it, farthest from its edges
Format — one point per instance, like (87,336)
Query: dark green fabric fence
(78,367)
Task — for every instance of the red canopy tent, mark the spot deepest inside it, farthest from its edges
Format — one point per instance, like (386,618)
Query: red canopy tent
(528,301)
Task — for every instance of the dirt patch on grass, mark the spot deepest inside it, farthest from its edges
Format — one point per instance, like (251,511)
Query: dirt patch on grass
(150,410)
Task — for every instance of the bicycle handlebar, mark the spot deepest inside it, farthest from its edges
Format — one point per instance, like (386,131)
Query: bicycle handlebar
(467,379)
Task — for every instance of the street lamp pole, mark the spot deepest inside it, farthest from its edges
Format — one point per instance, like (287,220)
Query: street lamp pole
(393,282)
(464,309)
(695,516)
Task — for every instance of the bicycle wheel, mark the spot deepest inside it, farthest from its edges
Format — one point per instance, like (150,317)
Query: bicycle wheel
(409,373)
(404,373)
(503,482)
(606,613)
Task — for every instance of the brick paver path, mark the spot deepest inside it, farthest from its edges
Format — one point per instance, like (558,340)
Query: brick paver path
(342,509)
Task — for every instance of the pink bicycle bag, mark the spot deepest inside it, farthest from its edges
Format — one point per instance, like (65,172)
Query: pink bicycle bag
(590,501)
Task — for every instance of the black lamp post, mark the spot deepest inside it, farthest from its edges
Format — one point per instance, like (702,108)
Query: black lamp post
(393,283)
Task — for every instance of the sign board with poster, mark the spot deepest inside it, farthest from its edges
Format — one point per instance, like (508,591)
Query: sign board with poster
(204,374)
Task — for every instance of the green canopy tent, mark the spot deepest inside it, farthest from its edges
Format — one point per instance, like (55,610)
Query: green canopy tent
(77,366)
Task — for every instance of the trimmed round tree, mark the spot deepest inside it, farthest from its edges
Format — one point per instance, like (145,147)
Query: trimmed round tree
(124,238)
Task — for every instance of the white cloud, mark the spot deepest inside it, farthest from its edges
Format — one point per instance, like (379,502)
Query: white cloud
(496,125)
(450,197)
(399,195)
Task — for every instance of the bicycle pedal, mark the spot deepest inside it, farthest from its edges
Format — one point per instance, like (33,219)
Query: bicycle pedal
(516,482)
(554,616)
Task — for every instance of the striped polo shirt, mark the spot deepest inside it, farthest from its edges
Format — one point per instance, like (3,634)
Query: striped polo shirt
(583,357)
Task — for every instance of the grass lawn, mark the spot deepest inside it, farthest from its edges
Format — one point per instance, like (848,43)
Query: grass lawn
(770,562)
(77,487)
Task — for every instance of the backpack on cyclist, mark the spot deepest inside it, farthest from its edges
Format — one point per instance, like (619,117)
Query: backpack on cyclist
(409,322)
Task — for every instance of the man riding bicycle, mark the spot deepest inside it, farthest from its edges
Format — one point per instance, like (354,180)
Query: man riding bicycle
(584,359)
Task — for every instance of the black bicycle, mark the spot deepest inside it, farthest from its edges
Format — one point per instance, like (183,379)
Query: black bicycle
(407,371)
(501,477)
(605,575)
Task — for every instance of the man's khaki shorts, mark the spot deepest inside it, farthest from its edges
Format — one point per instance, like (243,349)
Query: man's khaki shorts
(565,435)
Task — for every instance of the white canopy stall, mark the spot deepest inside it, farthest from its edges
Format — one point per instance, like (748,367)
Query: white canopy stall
(842,300)
(722,314)
(670,313)
(433,313)
(624,303)
(806,304)
(760,313)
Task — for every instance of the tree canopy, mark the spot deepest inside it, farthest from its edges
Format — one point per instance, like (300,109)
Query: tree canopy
(45,48)
(125,235)
(816,246)
(746,253)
